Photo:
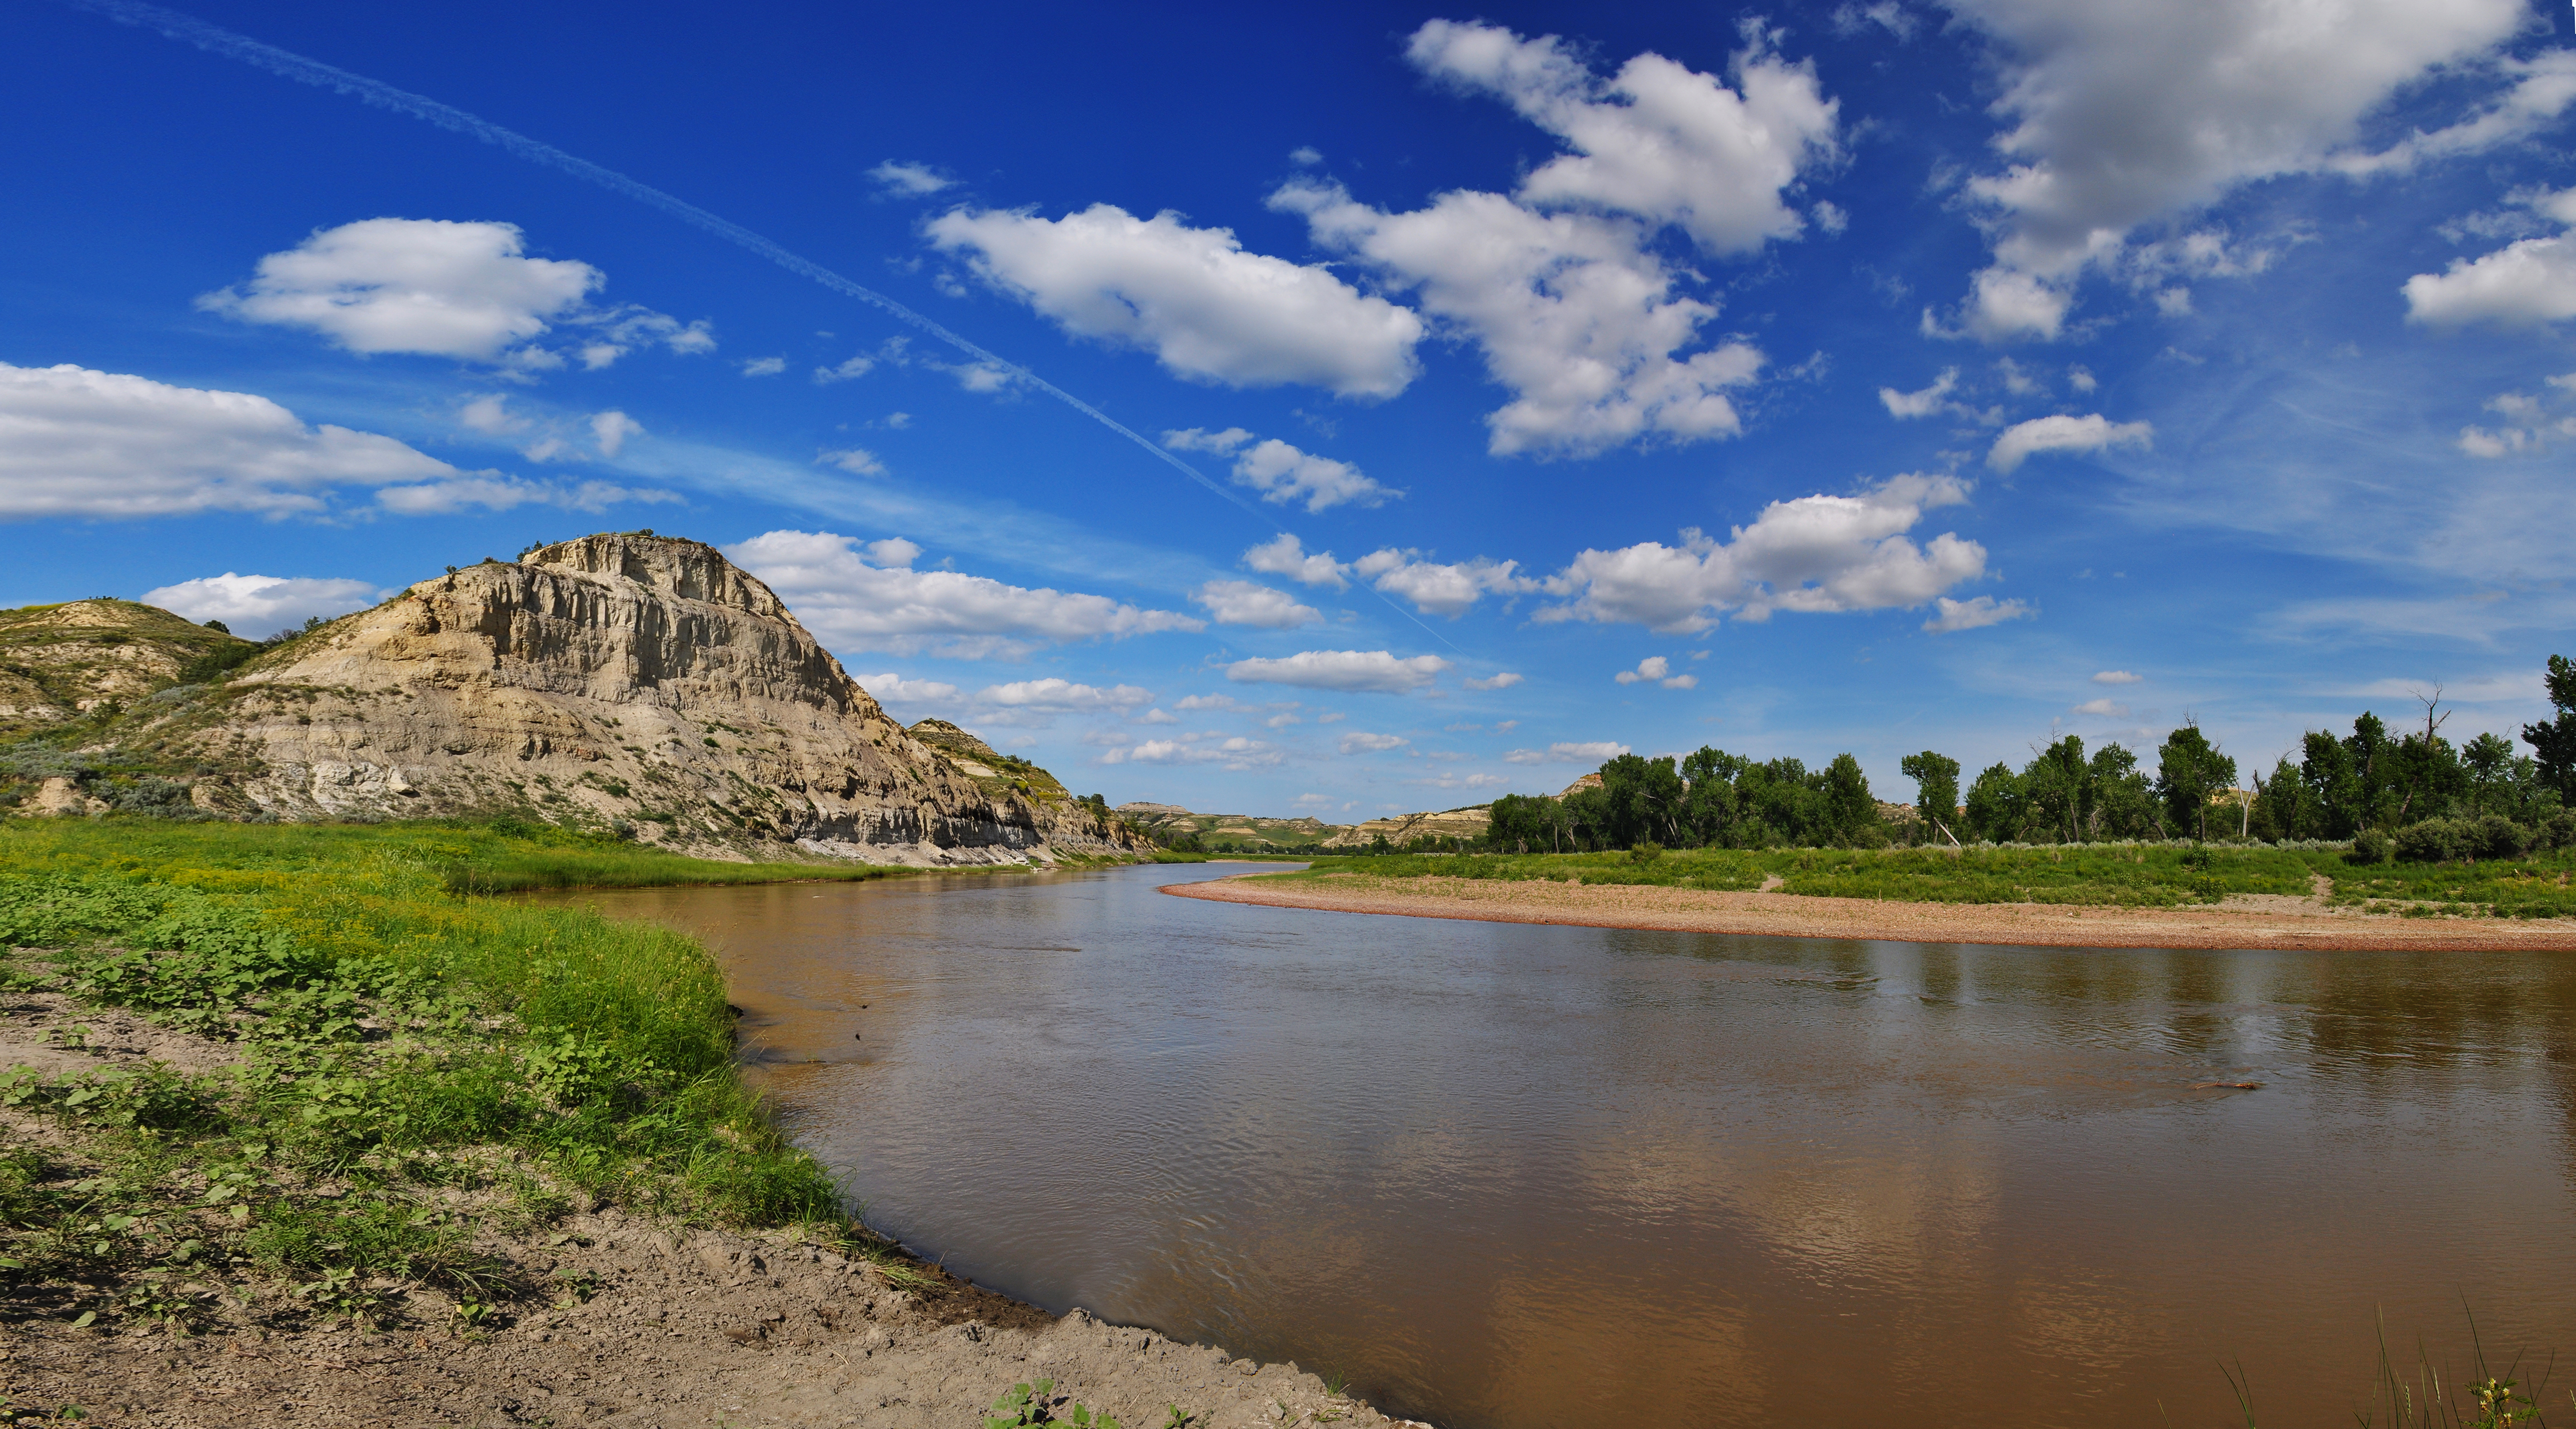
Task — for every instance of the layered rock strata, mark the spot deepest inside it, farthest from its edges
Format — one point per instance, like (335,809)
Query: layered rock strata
(635,681)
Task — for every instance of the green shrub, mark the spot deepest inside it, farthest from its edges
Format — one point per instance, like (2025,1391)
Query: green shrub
(2430,841)
(2495,836)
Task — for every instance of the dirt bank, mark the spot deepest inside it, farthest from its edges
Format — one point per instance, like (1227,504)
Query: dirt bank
(615,1319)
(2247,921)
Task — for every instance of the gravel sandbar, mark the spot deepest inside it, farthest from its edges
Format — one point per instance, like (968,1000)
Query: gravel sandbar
(2250,921)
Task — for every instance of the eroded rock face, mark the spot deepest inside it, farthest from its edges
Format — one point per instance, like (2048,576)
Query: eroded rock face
(634,678)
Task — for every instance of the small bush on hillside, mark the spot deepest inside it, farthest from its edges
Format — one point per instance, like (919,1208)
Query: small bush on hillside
(2368,847)
(2559,829)
(160,798)
(2429,841)
(2495,836)
(2448,840)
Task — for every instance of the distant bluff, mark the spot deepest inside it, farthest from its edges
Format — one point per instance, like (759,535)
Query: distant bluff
(58,662)
(629,680)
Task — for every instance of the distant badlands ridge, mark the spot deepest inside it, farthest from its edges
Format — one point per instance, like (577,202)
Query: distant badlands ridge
(625,681)
(1171,821)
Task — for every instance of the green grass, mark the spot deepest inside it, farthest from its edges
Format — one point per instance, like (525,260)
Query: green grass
(2116,875)
(392,1033)
(2533,886)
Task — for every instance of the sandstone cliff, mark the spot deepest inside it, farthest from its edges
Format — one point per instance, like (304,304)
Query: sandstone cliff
(631,681)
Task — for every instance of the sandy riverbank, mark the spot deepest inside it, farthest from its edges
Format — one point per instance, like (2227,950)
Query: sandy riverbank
(2247,921)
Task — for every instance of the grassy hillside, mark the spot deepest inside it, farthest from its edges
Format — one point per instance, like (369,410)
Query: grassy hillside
(994,772)
(92,658)
(1228,833)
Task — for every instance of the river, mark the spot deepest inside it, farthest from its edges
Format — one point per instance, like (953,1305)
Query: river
(1505,1176)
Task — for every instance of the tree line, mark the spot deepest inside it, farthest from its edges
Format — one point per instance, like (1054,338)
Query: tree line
(2409,793)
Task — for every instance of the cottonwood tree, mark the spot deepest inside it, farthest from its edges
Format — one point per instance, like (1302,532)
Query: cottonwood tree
(2555,742)
(2189,769)
(1936,788)
(1998,805)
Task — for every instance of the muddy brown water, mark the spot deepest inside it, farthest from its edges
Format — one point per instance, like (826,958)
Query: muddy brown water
(1507,1176)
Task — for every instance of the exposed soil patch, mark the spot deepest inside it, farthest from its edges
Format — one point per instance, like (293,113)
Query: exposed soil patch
(615,1319)
(2245,921)
(689,1329)
(57,1036)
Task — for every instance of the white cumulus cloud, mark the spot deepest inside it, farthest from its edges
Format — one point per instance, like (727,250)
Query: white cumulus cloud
(1281,472)
(1657,670)
(2105,706)
(1249,603)
(444,289)
(1356,742)
(1235,754)
(2061,433)
(1437,588)
(1572,313)
(256,607)
(78,442)
(857,605)
(1814,554)
(2122,115)
(1503,681)
(1285,556)
(2116,677)
(2523,284)
(1353,670)
(1921,403)
(1056,694)
(1657,139)
(1557,283)
(891,688)
(1193,296)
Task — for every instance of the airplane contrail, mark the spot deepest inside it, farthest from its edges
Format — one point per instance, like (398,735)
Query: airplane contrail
(290,65)
(286,64)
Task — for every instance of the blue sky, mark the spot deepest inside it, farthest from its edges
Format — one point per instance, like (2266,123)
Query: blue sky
(1558,381)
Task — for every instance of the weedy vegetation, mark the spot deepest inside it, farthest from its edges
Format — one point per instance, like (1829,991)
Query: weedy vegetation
(2422,1399)
(394,1037)
(1028,1404)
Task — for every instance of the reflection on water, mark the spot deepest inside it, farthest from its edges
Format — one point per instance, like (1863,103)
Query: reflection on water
(1510,1176)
